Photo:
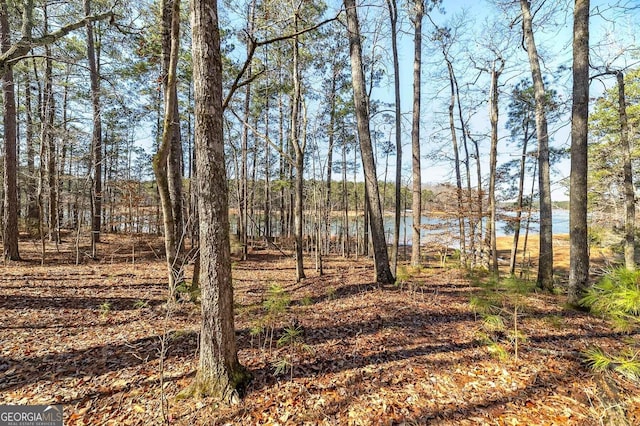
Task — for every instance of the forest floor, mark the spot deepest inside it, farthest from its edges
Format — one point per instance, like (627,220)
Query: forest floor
(334,349)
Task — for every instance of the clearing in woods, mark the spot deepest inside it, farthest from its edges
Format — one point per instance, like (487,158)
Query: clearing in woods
(438,348)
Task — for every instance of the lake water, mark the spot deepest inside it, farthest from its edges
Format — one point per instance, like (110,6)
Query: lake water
(442,227)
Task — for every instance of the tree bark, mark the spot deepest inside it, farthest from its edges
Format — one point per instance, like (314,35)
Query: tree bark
(415,133)
(467,165)
(381,258)
(10,225)
(174,160)
(496,70)
(332,137)
(545,260)
(393,17)
(345,202)
(48,139)
(32,205)
(578,231)
(520,201)
(299,148)
(267,161)
(219,371)
(96,139)
(627,174)
(243,204)
(162,156)
(456,160)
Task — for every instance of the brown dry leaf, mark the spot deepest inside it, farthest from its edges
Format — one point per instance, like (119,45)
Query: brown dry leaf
(376,355)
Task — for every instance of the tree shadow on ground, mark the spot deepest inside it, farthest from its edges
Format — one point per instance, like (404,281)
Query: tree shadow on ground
(17,302)
(93,361)
(485,408)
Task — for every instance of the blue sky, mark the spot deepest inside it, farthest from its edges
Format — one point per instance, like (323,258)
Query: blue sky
(554,44)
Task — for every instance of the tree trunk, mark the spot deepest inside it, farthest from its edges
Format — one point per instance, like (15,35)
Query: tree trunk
(162,156)
(415,133)
(49,140)
(578,231)
(174,158)
(243,214)
(281,172)
(393,17)
(65,147)
(456,162)
(520,201)
(627,172)
(381,258)
(332,137)
(299,148)
(10,225)
(493,156)
(96,140)
(345,202)
(32,204)
(479,195)
(267,162)
(545,260)
(219,371)
(467,165)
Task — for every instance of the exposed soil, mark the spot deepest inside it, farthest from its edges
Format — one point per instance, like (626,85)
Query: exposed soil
(89,337)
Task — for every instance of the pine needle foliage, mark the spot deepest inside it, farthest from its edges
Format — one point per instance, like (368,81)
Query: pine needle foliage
(402,275)
(277,300)
(493,323)
(616,297)
(627,363)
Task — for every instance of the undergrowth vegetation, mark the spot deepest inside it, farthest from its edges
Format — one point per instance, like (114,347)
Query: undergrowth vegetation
(499,305)
(616,297)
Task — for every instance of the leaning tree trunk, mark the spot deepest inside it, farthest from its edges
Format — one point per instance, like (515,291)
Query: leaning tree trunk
(415,134)
(10,225)
(219,371)
(456,162)
(578,231)
(545,260)
(381,257)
